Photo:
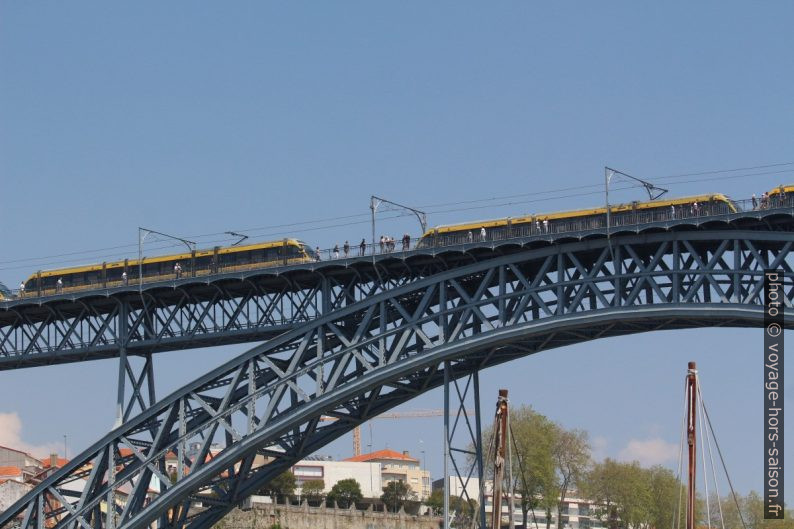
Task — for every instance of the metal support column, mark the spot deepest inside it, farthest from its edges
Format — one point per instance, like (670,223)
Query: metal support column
(122,378)
(141,380)
(464,451)
(140,377)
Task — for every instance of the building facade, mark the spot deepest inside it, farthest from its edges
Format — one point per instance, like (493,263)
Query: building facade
(398,466)
(577,512)
(367,474)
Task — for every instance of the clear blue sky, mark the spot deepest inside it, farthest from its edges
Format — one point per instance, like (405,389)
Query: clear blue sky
(196,118)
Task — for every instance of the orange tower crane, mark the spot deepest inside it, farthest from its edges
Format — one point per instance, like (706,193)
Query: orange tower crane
(413,414)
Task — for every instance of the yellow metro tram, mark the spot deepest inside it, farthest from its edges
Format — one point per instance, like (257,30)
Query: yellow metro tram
(192,264)
(289,251)
(578,220)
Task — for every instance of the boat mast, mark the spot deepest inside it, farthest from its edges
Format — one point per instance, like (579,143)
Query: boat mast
(691,398)
(500,442)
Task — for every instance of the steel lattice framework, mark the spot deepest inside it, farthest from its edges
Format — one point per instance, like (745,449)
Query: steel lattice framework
(256,305)
(366,357)
(184,314)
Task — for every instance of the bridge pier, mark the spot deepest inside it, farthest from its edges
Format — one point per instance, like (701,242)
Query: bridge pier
(456,447)
(141,378)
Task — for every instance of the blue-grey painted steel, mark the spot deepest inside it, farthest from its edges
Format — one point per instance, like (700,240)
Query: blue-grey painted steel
(256,305)
(367,357)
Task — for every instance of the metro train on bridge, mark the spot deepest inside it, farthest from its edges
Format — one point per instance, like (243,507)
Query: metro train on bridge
(293,251)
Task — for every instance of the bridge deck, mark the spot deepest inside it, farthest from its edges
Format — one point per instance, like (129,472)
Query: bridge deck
(255,305)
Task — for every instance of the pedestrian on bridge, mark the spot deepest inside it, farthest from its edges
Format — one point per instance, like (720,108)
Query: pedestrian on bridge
(545,225)
(346,248)
(317,254)
(470,236)
(406,242)
(59,286)
(22,289)
(336,251)
(755,202)
(362,247)
(124,280)
(482,233)
(382,243)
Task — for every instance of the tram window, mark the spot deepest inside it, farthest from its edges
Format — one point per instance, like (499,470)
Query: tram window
(243,257)
(203,262)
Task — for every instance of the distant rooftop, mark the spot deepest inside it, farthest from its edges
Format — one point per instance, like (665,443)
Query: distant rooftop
(384,455)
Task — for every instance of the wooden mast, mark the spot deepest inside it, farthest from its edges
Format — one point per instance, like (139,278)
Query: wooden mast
(691,399)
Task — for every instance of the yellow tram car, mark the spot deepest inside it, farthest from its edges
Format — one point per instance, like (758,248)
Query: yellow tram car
(192,264)
(578,220)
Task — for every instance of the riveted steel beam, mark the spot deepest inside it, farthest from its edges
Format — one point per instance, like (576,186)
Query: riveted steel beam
(367,356)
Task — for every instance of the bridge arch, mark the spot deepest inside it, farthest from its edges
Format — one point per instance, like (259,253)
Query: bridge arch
(365,358)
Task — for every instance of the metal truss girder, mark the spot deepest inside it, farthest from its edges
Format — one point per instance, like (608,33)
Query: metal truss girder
(255,305)
(170,319)
(366,357)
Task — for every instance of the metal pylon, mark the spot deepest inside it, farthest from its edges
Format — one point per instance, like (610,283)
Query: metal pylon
(141,382)
(462,440)
(139,376)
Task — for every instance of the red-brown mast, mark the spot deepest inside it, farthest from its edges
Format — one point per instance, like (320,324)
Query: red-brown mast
(500,430)
(691,399)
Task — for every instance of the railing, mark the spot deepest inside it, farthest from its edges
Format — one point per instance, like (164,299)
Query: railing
(538,228)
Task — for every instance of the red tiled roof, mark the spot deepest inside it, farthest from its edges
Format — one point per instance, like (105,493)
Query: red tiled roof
(382,454)
(10,471)
(45,463)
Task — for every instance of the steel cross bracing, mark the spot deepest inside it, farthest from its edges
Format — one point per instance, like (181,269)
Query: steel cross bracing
(354,363)
(179,316)
(257,304)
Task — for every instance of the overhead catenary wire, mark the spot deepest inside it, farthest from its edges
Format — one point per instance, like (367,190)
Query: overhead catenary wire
(440,208)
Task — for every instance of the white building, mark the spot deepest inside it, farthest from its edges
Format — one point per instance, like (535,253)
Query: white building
(11,491)
(402,467)
(577,512)
(368,475)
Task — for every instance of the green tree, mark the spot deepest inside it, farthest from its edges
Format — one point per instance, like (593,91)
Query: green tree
(464,512)
(282,486)
(534,469)
(345,493)
(665,490)
(313,490)
(571,453)
(396,494)
(625,491)
(436,501)
(533,464)
(601,484)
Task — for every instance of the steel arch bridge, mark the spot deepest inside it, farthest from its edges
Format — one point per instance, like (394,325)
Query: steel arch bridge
(369,356)
(258,304)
